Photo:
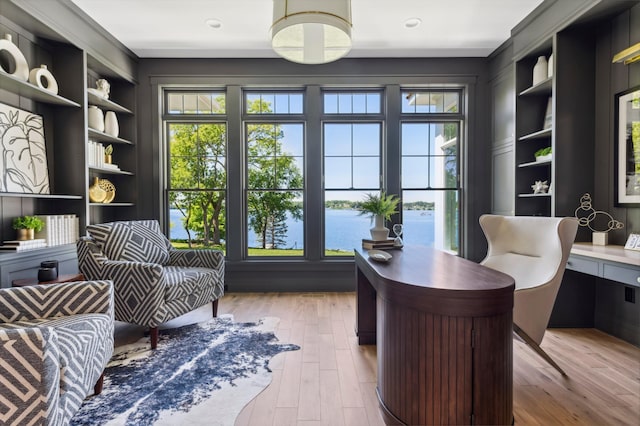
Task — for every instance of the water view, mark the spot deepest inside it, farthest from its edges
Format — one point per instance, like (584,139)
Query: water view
(345,229)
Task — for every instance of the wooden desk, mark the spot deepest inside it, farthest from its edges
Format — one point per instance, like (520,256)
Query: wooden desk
(443,328)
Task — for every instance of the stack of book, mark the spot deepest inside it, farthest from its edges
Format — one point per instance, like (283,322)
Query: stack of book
(387,244)
(23,245)
(59,229)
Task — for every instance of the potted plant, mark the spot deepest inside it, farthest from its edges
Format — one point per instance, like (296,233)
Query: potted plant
(107,153)
(543,154)
(380,208)
(27,226)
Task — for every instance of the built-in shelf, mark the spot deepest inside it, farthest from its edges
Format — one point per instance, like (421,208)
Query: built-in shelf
(534,195)
(46,196)
(110,171)
(103,137)
(111,204)
(540,134)
(542,88)
(26,89)
(535,163)
(106,104)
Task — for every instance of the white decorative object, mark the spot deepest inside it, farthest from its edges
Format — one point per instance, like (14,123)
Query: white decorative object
(104,87)
(379,232)
(600,237)
(23,154)
(96,118)
(379,255)
(550,66)
(43,78)
(547,157)
(540,70)
(540,187)
(21,70)
(111,124)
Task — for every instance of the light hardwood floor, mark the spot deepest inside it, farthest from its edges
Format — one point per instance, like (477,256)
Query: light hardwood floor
(332,380)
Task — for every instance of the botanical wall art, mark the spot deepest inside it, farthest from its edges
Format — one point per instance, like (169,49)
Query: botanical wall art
(23,156)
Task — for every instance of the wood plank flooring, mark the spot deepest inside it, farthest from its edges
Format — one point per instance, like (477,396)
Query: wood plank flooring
(332,380)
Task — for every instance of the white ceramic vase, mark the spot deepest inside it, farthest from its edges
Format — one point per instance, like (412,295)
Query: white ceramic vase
(111,124)
(43,78)
(96,118)
(379,232)
(540,70)
(550,66)
(21,70)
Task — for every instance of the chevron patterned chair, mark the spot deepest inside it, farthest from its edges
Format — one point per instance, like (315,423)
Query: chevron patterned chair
(55,341)
(153,282)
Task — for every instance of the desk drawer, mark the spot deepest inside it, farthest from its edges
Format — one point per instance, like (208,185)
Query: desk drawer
(585,266)
(622,274)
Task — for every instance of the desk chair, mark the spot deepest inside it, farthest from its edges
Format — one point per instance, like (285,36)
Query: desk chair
(534,251)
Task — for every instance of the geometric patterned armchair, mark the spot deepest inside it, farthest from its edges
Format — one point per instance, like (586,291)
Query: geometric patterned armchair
(153,282)
(55,341)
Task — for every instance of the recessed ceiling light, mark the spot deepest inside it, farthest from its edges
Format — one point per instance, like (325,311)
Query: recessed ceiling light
(412,23)
(213,23)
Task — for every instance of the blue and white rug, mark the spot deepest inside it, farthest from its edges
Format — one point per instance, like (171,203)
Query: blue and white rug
(201,374)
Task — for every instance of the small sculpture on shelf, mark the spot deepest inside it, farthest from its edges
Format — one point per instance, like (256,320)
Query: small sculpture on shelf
(103,86)
(586,215)
(108,151)
(540,187)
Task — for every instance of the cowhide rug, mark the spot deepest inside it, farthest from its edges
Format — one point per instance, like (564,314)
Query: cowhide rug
(200,374)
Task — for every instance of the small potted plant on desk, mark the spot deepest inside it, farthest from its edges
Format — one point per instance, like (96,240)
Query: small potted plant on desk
(27,226)
(379,207)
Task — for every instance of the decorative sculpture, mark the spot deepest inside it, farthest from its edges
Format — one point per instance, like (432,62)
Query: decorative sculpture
(600,237)
(540,187)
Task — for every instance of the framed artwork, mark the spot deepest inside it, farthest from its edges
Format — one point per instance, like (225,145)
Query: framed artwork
(628,147)
(23,156)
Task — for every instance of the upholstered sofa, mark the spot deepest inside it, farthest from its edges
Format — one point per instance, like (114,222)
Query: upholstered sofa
(153,282)
(55,341)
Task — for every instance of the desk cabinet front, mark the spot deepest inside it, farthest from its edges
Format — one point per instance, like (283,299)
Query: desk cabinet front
(443,329)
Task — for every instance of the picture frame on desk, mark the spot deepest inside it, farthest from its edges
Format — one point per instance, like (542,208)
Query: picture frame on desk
(633,242)
(628,147)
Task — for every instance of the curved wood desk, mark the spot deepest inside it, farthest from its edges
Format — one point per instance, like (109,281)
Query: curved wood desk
(443,327)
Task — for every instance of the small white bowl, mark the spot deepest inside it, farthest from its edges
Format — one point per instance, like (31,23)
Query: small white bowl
(379,255)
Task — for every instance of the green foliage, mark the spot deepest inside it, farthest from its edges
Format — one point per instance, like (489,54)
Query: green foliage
(108,150)
(380,205)
(542,151)
(28,222)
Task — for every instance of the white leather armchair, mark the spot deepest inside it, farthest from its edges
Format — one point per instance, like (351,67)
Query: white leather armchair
(534,251)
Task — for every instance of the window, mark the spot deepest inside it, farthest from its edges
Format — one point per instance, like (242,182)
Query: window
(430,152)
(197,175)
(352,166)
(275,180)
(255,170)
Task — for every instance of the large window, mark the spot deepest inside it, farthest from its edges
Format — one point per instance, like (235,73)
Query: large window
(197,170)
(269,173)
(275,180)
(430,152)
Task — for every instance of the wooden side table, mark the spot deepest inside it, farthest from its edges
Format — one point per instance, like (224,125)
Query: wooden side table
(64,278)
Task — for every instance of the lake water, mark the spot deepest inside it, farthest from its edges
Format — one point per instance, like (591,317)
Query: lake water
(345,229)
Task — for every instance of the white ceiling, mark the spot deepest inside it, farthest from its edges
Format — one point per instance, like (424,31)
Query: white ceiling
(177,28)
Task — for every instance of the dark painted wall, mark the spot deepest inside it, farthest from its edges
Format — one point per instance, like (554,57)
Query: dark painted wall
(613,36)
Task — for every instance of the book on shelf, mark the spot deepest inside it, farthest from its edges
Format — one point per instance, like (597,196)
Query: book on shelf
(59,229)
(23,245)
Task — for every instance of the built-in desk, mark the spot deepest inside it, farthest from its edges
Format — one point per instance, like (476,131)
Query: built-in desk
(599,289)
(611,262)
